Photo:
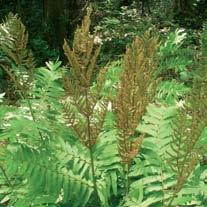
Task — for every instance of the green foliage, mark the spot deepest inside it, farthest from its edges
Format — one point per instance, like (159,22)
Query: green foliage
(53,179)
(42,51)
(174,59)
(171,91)
(152,178)
(115,37)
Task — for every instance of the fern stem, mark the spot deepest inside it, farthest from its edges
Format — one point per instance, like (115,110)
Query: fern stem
(93,174)
(126,178)
(90,147)
(6,176)
(162,183)
(33,117)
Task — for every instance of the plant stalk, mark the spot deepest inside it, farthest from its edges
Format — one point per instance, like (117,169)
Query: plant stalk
(6,176)
(90,148)
(93,173)
(126,175)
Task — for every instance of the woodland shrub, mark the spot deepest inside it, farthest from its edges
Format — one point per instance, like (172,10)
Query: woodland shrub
(71,141)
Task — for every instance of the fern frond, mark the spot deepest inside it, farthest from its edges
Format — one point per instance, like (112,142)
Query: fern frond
(135,91)
(171,92)
(108,162)
(44,175)
(69,155)
(17,61)
(48,84)
(85,108)
(84,54)
(158,126)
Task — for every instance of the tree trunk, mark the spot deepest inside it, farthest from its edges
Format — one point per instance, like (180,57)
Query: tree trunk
(75,13)
(55,19)
(182,7)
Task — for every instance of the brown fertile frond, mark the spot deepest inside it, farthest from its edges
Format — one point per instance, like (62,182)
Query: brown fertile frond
(85,108)
(83,55)
(17,61)
(136,90)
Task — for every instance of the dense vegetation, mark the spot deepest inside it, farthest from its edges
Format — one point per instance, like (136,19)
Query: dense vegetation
(112,113)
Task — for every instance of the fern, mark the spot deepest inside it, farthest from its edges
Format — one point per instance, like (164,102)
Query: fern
(108,160)
(158,124)
(153,178)
(85,107)
(48,82)
(135,91)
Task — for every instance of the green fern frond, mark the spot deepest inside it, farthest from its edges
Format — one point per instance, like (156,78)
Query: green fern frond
(174,59)
(48,83)
(158,126)
(69,155)
(44,175)
(106,163)
(171,92)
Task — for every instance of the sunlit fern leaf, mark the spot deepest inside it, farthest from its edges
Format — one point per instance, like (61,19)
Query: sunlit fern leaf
(157,123)
(1,97)
(48,83)
(18,126)
(171,92)
(174,58)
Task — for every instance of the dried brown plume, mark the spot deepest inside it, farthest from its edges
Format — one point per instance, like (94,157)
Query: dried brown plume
(136,90)
(85,108)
